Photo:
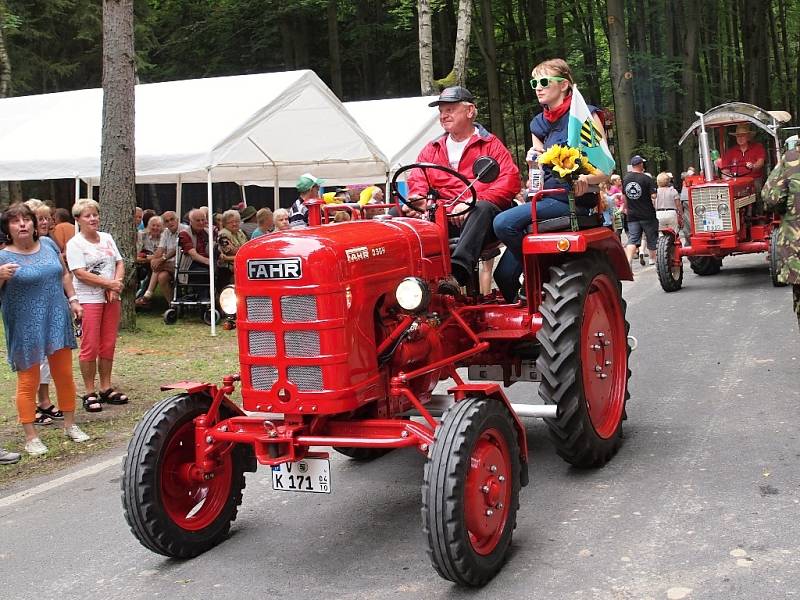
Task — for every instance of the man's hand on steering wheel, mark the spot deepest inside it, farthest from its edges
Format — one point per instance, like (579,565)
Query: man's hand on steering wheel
(413,207)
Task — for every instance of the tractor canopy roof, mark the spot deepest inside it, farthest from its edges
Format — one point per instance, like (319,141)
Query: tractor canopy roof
(732,113)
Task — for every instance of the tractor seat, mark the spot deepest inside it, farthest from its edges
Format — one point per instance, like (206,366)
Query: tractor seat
(562,223)
(489,251)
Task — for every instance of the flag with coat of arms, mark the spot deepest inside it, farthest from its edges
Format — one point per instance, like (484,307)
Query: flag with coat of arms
(583,133)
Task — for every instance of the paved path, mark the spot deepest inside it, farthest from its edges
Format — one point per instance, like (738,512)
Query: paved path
(701,501)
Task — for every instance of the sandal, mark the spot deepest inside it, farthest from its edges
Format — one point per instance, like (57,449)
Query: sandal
(52,412)
(91,402)
(111,396)
(42,418)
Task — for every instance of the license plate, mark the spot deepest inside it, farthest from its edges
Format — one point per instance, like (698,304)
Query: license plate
(712,221)
(307,475)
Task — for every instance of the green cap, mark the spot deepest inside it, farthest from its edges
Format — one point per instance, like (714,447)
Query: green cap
(307,181)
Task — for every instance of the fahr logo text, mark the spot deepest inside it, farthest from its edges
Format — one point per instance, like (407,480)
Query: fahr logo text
(282,268)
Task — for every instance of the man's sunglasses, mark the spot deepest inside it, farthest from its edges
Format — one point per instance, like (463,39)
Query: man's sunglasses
(545,81)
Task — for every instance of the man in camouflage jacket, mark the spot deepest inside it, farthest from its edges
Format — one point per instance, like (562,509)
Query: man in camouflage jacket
(782,194)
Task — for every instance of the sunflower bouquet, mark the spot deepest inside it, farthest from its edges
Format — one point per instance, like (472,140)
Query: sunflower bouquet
(568,163)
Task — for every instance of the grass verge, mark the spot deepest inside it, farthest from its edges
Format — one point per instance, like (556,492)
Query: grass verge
(153,355)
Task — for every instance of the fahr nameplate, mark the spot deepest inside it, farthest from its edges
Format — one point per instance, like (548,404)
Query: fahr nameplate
(279,268)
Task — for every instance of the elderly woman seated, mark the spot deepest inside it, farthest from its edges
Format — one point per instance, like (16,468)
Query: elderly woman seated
(146,245)
(229,240)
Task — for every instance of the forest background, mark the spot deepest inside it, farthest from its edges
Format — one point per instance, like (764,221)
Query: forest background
(672,57)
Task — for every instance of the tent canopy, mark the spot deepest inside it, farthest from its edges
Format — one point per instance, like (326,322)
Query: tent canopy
(269,127)
(399,126)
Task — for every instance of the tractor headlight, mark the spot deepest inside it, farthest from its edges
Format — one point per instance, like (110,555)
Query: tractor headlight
(723,209)
(412,294)
(227,301)
(699,210)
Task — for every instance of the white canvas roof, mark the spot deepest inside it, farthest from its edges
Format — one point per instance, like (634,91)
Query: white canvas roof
(399,126)
(245,127)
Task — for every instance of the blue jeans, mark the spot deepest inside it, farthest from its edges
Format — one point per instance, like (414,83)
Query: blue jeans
(511,227)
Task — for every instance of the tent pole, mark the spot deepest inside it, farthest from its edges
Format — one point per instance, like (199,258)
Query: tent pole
(89,189)
(211,254)
(178,192)
(244,194)
(276,201)
(77,196)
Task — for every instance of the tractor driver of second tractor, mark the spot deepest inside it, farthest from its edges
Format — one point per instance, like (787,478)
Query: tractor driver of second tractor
(463,142)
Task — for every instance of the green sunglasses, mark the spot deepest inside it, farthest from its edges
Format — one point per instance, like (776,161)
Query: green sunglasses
(545,81)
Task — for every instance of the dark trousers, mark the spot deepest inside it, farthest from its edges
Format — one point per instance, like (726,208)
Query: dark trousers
(476,232)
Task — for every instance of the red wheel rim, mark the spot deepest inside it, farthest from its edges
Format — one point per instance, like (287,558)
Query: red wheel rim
(604,355)
(487,491)
(192,505)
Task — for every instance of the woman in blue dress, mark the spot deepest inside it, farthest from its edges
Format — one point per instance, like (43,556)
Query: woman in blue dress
(552,81)
(38,305)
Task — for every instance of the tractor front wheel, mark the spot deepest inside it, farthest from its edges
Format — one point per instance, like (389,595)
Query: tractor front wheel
(470,493)
(584,359)
(169,509)
(670,275)
(773,259)
(705,265)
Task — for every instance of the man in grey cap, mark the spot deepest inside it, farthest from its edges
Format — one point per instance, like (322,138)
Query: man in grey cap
(463,142)
(308,187)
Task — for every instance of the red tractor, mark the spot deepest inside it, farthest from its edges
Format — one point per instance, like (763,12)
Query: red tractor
(725,207)
(344,331)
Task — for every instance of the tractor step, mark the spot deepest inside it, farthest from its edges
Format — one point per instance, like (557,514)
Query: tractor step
(527,372)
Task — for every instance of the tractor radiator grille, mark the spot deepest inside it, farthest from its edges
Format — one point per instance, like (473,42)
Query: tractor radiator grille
(259,309)
(710,197)
(301,343)
(261,343)
(307,379)
(299,309)
(263,377)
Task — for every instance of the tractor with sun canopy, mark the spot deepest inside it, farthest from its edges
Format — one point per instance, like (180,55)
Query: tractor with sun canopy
(726,211)
(344,331)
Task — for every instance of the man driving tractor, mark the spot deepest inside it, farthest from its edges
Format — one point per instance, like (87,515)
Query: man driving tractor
(463,142)
(746,158)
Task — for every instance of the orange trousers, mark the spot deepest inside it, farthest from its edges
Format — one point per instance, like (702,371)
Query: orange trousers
(28,385)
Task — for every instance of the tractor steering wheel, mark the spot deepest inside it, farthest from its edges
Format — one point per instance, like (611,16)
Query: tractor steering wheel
(433,193)
(735,170)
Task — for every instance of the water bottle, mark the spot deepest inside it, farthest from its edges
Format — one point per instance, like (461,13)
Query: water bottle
(535,173)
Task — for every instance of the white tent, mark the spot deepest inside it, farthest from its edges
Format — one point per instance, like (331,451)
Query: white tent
(399,126)
(271,127)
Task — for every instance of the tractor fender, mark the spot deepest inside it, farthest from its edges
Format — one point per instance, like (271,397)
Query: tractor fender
(599,239)
(194,387)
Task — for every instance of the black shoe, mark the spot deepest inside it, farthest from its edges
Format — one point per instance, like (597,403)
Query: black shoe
(461,273)
(449,287)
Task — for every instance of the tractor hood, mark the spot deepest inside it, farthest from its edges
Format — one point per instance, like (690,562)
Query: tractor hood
(357,251)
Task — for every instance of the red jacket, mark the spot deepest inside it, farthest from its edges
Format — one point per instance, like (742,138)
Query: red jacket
(499,192)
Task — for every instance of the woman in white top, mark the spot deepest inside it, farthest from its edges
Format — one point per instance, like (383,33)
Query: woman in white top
(668,204)
(98,271)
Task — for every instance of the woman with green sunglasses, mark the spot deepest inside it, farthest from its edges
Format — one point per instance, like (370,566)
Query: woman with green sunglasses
(552,81)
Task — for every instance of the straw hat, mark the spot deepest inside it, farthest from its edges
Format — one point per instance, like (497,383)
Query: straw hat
(743,128)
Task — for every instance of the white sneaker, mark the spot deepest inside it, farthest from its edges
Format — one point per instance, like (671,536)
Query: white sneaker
(7,457)
(35,447)
(650,263)
(75,433)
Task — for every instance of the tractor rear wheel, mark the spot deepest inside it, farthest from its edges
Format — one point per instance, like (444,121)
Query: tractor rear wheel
(669,275)
(705,265)
(470,493)
(584,359)
(170,511)
(773,259)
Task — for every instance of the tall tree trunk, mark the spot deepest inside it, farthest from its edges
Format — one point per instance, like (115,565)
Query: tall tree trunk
(333,49)
(621,80)
(463,30)
(689,78)
(5,84)
(425,48)
(489,52)
(287,45)
(537,30)
(117,154)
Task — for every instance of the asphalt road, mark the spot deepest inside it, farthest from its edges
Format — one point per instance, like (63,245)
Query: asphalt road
(701,501)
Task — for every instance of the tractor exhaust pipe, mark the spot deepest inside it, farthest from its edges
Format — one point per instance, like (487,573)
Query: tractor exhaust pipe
(538,411)
(705,154)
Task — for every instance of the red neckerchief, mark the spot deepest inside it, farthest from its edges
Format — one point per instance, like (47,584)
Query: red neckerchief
(559,111)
